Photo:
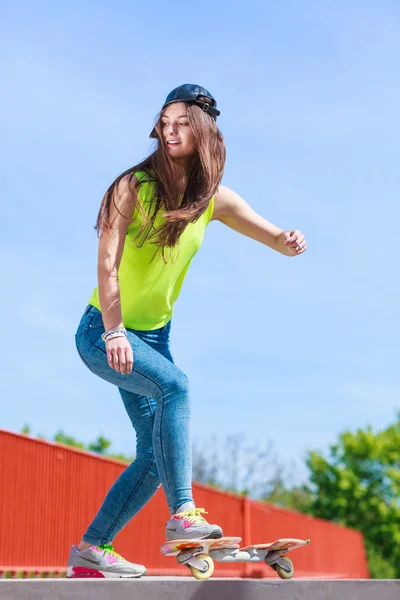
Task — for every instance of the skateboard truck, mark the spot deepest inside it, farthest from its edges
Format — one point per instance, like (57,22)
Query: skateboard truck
(186,555)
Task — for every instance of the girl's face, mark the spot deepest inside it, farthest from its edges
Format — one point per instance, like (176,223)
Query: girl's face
(177,133)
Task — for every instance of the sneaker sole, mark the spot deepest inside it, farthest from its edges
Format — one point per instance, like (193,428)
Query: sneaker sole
(85,573)
(214,535)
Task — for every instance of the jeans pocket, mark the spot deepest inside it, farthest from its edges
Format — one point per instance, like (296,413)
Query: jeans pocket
(96,322)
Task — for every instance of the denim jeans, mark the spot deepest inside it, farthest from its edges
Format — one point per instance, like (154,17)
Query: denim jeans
(156,398)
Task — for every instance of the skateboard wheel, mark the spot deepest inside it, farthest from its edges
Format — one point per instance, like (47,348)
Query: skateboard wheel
(286,570)
(208,570)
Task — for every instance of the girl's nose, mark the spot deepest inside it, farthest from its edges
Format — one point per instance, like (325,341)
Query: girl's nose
(172,128)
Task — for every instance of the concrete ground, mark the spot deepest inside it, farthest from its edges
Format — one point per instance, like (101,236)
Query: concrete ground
(184,588)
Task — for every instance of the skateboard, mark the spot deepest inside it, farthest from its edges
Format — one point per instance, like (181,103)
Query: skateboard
(199,555)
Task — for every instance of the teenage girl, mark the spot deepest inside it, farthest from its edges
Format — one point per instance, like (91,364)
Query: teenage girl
(150,224)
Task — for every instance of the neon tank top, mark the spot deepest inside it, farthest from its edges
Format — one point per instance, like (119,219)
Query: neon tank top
(148,290)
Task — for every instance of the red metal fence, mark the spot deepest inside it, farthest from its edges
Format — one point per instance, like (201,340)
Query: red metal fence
(49,493)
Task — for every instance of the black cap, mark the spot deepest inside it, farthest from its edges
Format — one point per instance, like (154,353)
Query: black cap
(189,92)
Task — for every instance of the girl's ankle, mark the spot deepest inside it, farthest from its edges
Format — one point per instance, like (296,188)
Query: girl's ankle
(83,546)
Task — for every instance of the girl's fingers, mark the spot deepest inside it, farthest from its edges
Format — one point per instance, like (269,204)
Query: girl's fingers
(128,358)
(298,248)
(129,362)
(115,360)
(122,360)
(297,242)
(291,242)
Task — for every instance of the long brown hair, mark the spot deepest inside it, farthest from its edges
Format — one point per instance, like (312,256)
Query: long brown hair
(205,175)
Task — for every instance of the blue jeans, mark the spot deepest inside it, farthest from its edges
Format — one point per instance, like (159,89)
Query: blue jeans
(156,398)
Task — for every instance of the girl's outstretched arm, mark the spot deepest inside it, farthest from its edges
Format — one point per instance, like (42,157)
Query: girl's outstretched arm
(232,210)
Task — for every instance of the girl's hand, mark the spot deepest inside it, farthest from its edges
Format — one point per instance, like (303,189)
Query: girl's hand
(292,242)
(120,355)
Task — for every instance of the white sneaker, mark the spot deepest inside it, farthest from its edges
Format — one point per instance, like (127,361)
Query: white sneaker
(100,561)
(188,523)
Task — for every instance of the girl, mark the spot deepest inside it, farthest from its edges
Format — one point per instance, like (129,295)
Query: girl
(151,223)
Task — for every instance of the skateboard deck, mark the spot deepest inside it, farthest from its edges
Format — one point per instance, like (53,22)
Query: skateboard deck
(173,547)
(282,544)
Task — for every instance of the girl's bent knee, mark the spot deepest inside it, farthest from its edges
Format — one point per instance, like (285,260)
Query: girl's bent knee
(179,385)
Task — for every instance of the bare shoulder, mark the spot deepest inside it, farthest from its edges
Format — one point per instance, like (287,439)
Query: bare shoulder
(125,193)
(126,189)
(121,203)
(224,201)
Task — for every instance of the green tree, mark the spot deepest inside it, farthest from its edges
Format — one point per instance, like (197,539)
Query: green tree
(68,440)
(358,485)
(297,497)
(100,445)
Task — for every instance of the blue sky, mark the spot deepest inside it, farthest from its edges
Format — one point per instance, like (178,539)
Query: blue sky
(289,350)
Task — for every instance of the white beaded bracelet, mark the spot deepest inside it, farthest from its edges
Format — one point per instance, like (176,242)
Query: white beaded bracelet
(111,333)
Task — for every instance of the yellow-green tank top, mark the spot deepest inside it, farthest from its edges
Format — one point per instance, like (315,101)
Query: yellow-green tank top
(148,290)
